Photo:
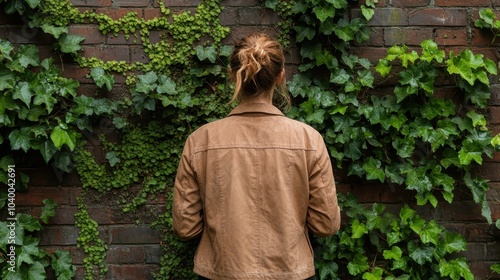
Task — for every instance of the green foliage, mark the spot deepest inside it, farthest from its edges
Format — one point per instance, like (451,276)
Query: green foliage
(22,256)
(379,245)
(94,263)
(488,20)
(39,109)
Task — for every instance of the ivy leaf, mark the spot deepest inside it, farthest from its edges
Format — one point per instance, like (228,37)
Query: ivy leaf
(383,67)
(28,223)
(6,49)
(48,210)
(406,214)
(225,51)
(70,43)
(374,274)
(495,267)
(453,242)
(358,265)
(430,51)
(495,141)
(358,229)
(54,30)
(27,55)
(304,32)
(323,12)
(60,137)
(27,251)
(470,151)
(455,269)
(477,119)
(102,78)
(166,85)
(48,150)
(62,265)
(373,170)
(23,92)
(20,139)
(420,255)
(146,83)
(45,97)
(36,272)
(206,53)
(7,79)
(394,254)
(33,3)
(112,158)
(367,12)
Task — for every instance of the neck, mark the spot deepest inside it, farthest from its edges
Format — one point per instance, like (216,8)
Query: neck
(264,97)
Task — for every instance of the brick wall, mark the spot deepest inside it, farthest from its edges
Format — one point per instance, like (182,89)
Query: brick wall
(134,250)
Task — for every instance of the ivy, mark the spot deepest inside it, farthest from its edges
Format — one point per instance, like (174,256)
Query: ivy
(30,261)
(380,245)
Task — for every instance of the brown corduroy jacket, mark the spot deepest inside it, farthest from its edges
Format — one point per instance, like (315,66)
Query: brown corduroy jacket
(253,184)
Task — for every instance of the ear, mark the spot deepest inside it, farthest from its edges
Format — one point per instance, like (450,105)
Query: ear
(281,77)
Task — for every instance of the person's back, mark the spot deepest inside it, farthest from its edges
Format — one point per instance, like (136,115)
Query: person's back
(253,184)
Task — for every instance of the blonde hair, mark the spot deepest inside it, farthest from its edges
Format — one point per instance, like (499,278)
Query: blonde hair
(256,64)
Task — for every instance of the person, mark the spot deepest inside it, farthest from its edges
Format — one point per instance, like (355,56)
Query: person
(255,182)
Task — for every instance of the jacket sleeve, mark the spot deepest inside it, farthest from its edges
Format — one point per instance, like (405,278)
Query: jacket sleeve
(323,214)
(187,207)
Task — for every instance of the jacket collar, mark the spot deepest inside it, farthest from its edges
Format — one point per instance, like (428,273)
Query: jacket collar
(248,107)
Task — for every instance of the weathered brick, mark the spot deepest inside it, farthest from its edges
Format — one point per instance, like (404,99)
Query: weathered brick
(133,235)
(131,272)
(59,235)
(239,3)
(491,171)
(406,36)
(130,3)
(36,195)
(409,3)
(386,17)
(107,52)
(462,3)
(181,3)
(91,33)
(91,3)
(495,115)
(257,16)
(438,17)
(152,254)
(125,254)
(451,37)
(229,16)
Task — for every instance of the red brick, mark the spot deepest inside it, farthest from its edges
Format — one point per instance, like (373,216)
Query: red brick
(452,37)
(181,3)
(495,115)
(462,3)
(491,171)
(107,52)
(239,3)
(125,254)
(133,235)
(91,3)
(91,33)
(131,3)
(35,195)
(385,17)
(406,36)
(59,235)
(131,272)
(438,17)
(409,3)
(152,13)
(257,16)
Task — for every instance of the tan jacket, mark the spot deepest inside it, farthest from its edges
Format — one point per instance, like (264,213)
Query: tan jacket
(253,184)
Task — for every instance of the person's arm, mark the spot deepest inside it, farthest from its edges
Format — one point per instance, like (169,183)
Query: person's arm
(187,207)
(323,214)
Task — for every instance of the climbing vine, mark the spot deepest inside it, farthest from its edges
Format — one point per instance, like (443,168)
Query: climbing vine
(410,138)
